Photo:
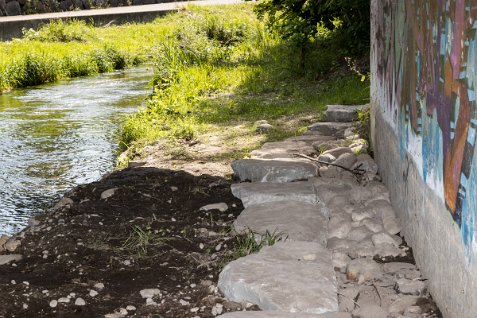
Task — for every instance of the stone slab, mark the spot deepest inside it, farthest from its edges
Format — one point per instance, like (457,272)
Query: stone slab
(289,276)
(283,149)
(281,314)
(256,193)
(296,220)
(273,170)
(335,129)
(342,113)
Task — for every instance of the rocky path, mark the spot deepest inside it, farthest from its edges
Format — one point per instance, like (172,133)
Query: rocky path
(339,253)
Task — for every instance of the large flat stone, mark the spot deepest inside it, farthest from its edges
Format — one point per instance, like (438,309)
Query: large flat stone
(256,193)
(283,149)
(296,220)
(281,314)
(273,170)
(335,129)
(290,276)
(342,113)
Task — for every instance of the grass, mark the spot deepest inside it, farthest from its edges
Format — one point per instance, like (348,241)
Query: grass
(221,69)
(140,239)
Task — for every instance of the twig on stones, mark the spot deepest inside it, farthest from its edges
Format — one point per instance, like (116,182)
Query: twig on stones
(358,172)
(379,295)
(353,300)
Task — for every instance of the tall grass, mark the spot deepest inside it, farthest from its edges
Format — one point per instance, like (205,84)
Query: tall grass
(221,67)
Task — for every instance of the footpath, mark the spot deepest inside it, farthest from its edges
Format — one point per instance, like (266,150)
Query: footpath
(340,254)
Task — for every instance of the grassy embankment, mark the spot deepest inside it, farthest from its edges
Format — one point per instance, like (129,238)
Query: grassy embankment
(220,71)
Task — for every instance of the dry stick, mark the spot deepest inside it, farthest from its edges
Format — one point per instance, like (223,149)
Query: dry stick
(355,171)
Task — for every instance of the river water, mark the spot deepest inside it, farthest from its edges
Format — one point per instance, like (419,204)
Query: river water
(57,136)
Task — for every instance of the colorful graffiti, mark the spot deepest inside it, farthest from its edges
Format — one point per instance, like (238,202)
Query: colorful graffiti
(426,63)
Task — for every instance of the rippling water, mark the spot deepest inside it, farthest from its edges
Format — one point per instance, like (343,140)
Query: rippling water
(57,136)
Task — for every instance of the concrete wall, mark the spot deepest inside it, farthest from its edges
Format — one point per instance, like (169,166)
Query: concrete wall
(424,73)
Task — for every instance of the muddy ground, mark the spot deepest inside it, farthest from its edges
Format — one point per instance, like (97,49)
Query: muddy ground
(150,233)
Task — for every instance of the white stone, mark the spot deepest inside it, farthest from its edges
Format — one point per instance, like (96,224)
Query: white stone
(373,225)
(385,238)
(389,250)
(411,287)
(99,286)
(339,229)
(93,293)
(256,193)
(346,160)
(108,193)
(12,244)
(292,219)
(400,304)
(53,303)
(363,269)
(341,245)
(64,300)
(278,278)
(342,113)
(80,302)
(222,207)
(359,234)
(6,259)
(283,149)
(130,308)
(340,261)
(150,292)
(361,214)
(326,157)
(278,171)
(338,152)
(335,129)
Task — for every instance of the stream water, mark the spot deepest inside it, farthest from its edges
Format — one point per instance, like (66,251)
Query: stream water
(54,137)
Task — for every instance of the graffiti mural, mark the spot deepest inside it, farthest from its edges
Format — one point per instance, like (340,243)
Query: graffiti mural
(426,67)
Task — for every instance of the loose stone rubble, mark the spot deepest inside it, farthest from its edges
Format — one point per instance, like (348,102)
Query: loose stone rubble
(343,256)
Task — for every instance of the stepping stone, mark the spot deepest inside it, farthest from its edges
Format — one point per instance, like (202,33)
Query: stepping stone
(289,276)
(335,129)
(342,113)
(283,149)
(296,220)
(256,193)
(281,314)
(273,170)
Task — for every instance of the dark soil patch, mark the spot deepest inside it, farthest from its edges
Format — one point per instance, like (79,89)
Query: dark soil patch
(150,234)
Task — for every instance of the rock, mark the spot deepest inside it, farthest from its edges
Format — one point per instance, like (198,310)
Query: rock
(281,314)
(340,245)
(263,128)
(373,225)
(150,292)
(347,298)
(366,163)
(6,259)
(390,221)
(222,207)
(388,250)
(337,152)
(63,300)
(12,244)
(322,146)
(411,287)
(53,303)
(359,234)
(64,202)
(338,228)
(327,157)
(363,269)
(384,238)
(279,278)
(396,267)
(342,113)
(273,170)
(334,129)
(3,239)
(283,150)
(99,286)
(340,261)
(295,220)
(13,8)
(108,193)
(93,293)
(370,311)
(400,304)
(360,214)
(346,160)
(256,193)
(80,302)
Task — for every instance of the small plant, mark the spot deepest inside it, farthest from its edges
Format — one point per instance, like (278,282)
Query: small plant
(252,242)
(140,239)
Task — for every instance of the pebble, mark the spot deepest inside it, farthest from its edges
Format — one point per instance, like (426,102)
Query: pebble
(64,300)
(99,286)
(184,302)
(108,193)
(217,309)
(12,244)
(222,207)
(262,128)
(150,292)
(201,246)
(150,302)
(93,293)
(130,308)
(80,302)
(384,238)
(218,247)
(53,303)
(362,269)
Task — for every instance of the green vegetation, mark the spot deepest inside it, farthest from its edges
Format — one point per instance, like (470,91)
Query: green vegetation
(142,238)
(221,68)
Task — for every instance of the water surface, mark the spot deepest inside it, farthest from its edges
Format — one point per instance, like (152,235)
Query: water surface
(54,137)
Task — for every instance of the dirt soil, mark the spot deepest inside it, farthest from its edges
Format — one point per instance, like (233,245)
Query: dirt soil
(149,234)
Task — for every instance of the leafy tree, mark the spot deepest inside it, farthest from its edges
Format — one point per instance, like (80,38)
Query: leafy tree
(300,20)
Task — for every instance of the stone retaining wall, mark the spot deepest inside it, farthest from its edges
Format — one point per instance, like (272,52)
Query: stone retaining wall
(424,120)
(19,7)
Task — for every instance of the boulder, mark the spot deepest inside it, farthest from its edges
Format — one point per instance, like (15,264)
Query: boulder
(295,220)
(289,276)
(363,269)
(273,170)
(334,129)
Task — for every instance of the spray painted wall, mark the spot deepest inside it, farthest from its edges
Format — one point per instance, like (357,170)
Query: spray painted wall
(424,81)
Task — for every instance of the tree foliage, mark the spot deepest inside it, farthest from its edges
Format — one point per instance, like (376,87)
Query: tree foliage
(300,20)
